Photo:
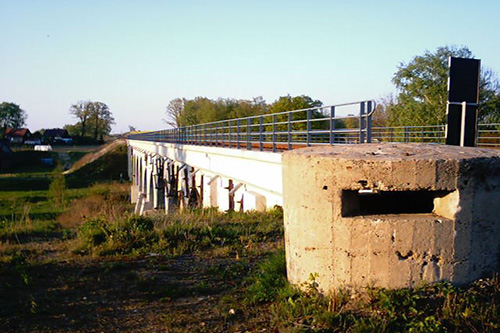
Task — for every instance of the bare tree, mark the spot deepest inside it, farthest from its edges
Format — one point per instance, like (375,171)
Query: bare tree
(174,111)
(81,111)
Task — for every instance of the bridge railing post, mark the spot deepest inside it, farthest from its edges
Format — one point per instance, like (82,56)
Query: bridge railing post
(249,145)
(308,127)
(261,136)
(227,130)
(369,122)
(274,132)
(230,133)
(332,124)
(218,135)
(362,122)
(238,128)
(289,134)
(204,134)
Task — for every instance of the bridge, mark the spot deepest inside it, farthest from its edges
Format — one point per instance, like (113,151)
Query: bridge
(235,164)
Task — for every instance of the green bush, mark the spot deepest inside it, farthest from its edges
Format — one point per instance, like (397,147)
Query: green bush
(93,232)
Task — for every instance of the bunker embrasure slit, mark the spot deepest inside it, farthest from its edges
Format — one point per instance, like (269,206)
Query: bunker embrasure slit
(361,203)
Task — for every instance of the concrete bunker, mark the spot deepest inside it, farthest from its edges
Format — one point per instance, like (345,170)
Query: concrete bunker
(391,215)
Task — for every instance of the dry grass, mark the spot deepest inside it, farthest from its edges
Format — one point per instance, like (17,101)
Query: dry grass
(109,201)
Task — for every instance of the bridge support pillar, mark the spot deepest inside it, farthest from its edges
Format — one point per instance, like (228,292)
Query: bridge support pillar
(391,215)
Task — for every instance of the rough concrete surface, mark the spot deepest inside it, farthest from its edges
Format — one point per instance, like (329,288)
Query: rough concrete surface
(391,215)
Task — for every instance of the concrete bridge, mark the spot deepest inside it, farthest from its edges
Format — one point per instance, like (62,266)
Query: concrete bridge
(234,164)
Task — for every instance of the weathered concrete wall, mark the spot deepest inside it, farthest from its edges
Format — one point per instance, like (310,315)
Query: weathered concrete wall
(391,215)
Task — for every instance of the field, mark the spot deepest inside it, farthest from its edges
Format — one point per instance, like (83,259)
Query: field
(74,258)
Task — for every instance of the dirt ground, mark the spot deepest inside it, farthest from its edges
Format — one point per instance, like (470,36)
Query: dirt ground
(149,294)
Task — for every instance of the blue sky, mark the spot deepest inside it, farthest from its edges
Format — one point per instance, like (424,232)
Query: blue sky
(136,56)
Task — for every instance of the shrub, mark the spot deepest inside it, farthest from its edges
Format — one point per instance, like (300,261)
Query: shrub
(57,188)
(93,232)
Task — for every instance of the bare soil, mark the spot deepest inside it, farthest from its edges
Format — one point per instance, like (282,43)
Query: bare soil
(196,293)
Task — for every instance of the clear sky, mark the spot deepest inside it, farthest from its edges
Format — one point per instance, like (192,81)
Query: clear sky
(136,56)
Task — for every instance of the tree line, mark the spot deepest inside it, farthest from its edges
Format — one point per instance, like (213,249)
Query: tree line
(186,112)
(94,120)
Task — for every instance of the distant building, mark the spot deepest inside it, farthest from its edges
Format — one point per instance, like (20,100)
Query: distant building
(18,135)
(57,135)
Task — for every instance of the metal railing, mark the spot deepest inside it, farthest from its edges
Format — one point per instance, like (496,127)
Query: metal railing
(277,131)
(422,134)
(488,135)
(308,127)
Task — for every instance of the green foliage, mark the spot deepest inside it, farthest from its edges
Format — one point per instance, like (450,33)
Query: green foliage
(57,188)
(429,308)
(93,232)
(289,103)
(422,86)
(11,115)
(177,234)
(269,279)
(94,119)
(186,112)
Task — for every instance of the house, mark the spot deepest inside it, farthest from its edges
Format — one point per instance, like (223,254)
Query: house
(57,135)
(18,135)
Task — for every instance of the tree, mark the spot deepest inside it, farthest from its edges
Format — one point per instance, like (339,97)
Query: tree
(289,103)
(95,116)
(11,115)
(174,112)
(102,119)
(422,86)
(81,110)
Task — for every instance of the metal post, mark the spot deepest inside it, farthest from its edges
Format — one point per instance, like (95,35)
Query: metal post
(274,133)
(332,124)
(261,128)
(369,122)
(308,128)
(462,124)
(204,134)
(289,131)
(249,145)
(238,133)
(362,122)
(229,131)
(405,134)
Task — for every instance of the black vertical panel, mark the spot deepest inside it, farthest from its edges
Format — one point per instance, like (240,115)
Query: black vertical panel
(464,80)
(463,86)
(470,126)
(453,121)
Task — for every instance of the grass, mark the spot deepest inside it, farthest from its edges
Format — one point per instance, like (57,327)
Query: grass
(177,234)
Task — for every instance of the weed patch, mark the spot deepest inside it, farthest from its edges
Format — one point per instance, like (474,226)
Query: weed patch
(429,308)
